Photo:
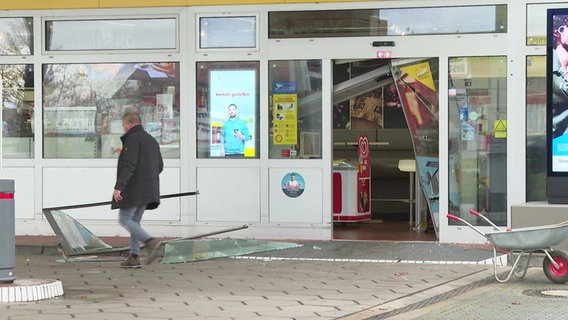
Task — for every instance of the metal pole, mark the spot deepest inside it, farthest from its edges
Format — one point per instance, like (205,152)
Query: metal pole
(411,199)
(104,203)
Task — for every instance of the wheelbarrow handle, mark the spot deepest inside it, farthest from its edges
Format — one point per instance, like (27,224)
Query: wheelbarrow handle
(479,215)
(456,218)
(452,217)
(475,213)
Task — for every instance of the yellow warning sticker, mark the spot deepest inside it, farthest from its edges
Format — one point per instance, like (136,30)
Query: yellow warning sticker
(500,128)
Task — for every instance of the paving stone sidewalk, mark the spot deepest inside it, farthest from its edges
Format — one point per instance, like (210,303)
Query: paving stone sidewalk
(253,287)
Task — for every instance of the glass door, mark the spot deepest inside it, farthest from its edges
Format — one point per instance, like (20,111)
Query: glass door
(477,146)
(395,104)
(417,83)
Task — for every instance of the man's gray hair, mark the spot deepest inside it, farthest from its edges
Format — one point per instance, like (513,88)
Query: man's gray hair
(132,117)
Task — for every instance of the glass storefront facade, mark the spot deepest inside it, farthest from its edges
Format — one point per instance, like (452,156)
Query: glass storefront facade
(17,36)
(388,22)
(536,128)
(17,111)
(187,69)
(227,109)
(16,39)
(83,105)
(295,109)
(478,137)
(111,34)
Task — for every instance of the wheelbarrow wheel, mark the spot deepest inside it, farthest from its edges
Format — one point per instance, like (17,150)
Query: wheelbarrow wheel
(559,275)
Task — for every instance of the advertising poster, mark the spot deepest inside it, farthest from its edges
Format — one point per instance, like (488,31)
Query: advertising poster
(285,112)
(285,118)
(165,104)
(364,176)
(428,171)
(367,110)
(233,105)
(293,184)
(419,99)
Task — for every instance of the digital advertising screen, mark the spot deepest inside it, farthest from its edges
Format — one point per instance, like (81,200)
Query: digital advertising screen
(233,110)
(557,105)
(557,92)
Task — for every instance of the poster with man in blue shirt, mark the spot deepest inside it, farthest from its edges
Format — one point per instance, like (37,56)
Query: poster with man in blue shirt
(235,134)
(233,96)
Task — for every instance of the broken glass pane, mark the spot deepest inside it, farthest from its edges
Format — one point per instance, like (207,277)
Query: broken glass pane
(194,250)
(75,238)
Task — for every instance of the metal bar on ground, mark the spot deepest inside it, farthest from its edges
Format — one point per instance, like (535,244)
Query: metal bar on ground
(208,234)
(96,204)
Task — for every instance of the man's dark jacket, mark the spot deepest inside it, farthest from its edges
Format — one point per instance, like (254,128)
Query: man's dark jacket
(139,166)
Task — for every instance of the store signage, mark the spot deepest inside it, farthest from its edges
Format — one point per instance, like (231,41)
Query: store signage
(284,87)
(364,175)
(293,184)
(384,54)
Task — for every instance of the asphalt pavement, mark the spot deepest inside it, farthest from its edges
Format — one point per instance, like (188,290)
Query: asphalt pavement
(320,280)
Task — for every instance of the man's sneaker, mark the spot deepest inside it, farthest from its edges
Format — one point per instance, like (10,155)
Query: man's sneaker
(132,261)
(153,246)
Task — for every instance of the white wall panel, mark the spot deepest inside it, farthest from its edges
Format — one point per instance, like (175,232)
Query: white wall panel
(23,190)
(306,208)
(228,194)
(77,186)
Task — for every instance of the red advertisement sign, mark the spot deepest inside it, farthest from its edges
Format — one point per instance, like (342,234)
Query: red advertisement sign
(364,176)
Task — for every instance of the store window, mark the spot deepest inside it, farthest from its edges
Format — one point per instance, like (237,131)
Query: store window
(111,34)
(295,109)
(17,83)
(388,22)
(227,32)
(536,22)
(478,138)
(83,105)
(16,36)
(227,109)
(536,129)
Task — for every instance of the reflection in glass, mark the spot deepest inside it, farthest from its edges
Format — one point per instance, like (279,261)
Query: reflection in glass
(17,83)
(536,129)
(227,109)
(126,34)
(536,22)
(388,22)
(83,105)
(478,138)
(295,109)
(227,32)
(16,36)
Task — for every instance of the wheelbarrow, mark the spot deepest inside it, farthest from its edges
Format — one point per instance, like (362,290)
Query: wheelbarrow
(526,241)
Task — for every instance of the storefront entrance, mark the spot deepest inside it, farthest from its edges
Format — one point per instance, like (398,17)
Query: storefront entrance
(393,105)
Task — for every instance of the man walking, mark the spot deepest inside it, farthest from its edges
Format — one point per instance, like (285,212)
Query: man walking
(137,186)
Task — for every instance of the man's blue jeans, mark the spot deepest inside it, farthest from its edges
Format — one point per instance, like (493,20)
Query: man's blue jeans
(130,218)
